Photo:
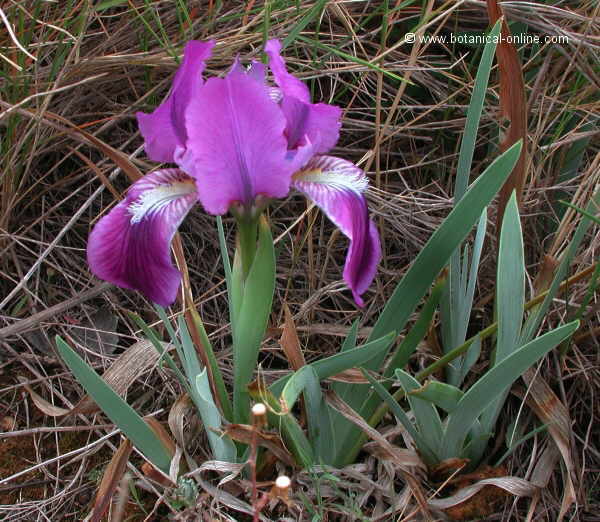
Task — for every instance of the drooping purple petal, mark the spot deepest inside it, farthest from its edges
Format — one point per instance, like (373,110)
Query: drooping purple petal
(317,123)
(164,129)
(236,147)
(130,246)
(337,187)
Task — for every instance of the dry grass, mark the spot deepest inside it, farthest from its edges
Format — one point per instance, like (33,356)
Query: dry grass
(92,68)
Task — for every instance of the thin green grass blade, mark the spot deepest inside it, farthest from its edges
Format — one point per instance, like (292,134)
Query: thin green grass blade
(115,408)
(417,333)
(467,146)
(312,13)
(156,342)
(354,59)
(517,443)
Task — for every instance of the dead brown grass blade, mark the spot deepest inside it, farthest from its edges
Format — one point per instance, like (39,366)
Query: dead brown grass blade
(133,362)
(513,108)
(34,321)
(402,458)
(110,480)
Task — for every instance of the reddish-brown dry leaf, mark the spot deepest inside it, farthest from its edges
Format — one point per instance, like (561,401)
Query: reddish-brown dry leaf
(544,277)
(163,435)
(246,434)
(514,108)
(110,480)
(290,342)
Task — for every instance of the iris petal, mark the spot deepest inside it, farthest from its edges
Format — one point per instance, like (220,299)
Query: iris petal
(164,129)
(317,123)
(130,246)
(337,187)
(236,147)
(288,83)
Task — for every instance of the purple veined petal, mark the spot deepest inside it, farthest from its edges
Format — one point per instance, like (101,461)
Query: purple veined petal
(318,123)
(164,129)
(130,246)
(236,146)
(288,83)
(337,187)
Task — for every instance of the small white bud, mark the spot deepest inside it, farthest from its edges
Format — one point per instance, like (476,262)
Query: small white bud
(283,482)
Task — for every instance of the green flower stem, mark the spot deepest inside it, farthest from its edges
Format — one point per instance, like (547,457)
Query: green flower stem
(247,232)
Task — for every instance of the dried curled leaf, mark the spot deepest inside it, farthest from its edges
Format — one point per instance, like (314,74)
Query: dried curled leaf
(42,404)
(139,358)
(551,411)
(246,434)
(514,485)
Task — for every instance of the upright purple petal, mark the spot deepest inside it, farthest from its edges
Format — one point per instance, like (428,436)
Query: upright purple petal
(288,83)
(337,187)
(164,129)
(236,147)
(130,246)
(317,123)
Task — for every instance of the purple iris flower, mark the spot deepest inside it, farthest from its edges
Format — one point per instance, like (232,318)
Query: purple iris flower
(235,139)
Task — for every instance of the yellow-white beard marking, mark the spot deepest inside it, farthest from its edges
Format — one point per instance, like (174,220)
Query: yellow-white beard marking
(334,179)
(154,200)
